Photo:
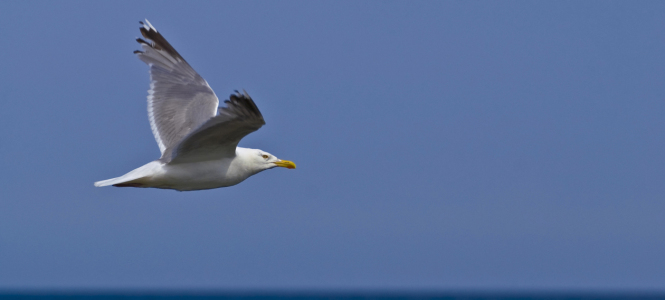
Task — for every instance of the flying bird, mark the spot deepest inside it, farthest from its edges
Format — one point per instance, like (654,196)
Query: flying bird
(198,140)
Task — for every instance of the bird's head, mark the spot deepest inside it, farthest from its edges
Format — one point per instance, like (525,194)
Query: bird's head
(268,161)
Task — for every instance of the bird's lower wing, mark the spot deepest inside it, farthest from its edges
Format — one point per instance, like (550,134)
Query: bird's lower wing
(219,137)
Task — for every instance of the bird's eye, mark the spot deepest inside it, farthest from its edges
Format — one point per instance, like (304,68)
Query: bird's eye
(265,156)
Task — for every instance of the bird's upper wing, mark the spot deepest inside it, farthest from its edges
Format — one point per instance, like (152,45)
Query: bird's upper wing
(219,137)
(179,99)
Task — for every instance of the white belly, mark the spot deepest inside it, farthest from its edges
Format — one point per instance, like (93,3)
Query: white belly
(196,176)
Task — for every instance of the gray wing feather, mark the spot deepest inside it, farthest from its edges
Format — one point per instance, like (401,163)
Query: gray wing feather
(179,99)
(219,137)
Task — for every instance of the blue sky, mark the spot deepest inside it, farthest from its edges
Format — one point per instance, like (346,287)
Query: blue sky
(440,146)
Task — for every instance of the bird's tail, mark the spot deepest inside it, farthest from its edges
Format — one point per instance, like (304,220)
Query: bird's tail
(111,181)
(135,178)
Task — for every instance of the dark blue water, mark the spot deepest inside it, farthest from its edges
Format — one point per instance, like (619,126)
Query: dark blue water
(395,296)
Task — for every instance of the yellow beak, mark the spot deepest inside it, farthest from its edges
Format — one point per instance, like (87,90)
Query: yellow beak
(285,164)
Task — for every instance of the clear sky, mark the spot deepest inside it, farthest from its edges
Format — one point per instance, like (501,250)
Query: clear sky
(440,145)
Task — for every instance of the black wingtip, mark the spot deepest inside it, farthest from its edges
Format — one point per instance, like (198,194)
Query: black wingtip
(243,100)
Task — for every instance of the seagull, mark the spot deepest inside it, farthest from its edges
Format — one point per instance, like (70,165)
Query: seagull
(198,140)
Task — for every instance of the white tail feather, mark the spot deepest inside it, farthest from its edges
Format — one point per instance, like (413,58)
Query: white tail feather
(108,182)
(144,171)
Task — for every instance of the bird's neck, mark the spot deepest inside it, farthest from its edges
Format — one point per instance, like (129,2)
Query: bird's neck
(244,160)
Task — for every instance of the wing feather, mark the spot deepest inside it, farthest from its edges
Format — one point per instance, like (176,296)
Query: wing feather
(219,137)
(179,99)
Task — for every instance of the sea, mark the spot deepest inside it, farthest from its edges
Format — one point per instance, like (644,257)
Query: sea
(331,295)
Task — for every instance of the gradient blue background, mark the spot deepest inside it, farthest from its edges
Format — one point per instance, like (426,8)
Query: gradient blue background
(440,146)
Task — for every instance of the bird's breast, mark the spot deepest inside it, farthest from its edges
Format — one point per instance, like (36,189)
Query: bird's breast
(202,175)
